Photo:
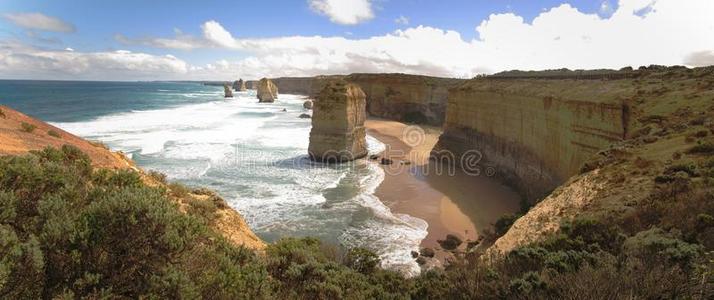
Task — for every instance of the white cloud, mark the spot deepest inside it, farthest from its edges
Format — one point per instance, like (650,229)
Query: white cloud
(670,32)
(38,21)
(21,61)
(344,12)
(402,20)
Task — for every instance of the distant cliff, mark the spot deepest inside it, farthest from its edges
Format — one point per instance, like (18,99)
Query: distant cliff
(402,97)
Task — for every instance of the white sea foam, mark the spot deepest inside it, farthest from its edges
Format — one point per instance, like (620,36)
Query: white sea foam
(254,154)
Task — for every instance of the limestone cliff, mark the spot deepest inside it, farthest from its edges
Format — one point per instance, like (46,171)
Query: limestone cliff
(535,133)
(338,132)
(401,97)
(267,90)
(20,134)
(606,143)
(406,98)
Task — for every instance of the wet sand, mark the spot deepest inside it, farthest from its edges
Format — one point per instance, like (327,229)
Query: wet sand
(451,203)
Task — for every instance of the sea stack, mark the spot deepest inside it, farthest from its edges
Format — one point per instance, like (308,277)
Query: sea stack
(241,86)
(338,132)
(267,90)
(227,90)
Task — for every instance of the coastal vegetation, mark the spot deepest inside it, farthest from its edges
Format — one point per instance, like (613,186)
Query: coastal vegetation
(68,230)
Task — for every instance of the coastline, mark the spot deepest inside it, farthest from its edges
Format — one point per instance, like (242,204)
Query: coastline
(457,203)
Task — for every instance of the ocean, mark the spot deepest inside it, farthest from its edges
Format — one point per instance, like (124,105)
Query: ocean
(253,154)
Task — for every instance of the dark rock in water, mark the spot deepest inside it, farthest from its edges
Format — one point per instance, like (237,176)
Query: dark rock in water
(386,161)
(406,162)
(451,242)
(284,110)
(307,104)
(421,260)
(374,157)
(415,254)
(305,116)
(427,252)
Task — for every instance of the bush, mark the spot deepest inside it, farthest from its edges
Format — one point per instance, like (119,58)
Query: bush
(27,127)
(53,133)
(703,148)
(361,260)
(504,223)
(158,176)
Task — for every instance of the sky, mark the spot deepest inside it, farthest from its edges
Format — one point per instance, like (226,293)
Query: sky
(229,39)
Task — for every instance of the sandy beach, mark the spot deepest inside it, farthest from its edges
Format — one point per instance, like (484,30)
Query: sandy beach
(456,203)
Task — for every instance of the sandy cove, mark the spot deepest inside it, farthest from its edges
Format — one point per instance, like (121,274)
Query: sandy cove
(456,204)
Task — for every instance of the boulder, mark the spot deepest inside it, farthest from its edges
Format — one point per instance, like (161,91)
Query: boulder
(227,91)
(305,116)
(450,243)
(267,90)
(427,252)
(307,104)
(338,132)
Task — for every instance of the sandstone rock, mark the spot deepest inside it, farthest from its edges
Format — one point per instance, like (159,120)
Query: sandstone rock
(227,91)
(307,104)
(239,85)
(305,116)
(338,132)
(421,260)
(267,90)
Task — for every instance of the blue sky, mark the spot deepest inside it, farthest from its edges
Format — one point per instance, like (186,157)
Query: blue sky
(136,26)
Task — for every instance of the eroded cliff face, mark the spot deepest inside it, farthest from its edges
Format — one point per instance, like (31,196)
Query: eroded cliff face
(406,98)
(534,133)
(666,126)
(338,133)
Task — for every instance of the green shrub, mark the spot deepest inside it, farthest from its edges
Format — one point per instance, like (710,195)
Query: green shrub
(27,127)
(53,133)
(158,176)
(702,148)
(504,223)
(204,210)
(179,190)
(361,260)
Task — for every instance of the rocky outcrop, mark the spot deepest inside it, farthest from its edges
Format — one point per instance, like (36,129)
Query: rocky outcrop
(267,90)
(534,134)
(239,85)
(338,132)
(307,104)
(228,93)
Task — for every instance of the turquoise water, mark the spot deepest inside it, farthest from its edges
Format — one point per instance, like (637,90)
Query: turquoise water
(253,154)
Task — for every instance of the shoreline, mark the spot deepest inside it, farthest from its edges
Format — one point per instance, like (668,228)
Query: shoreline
(456,203)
